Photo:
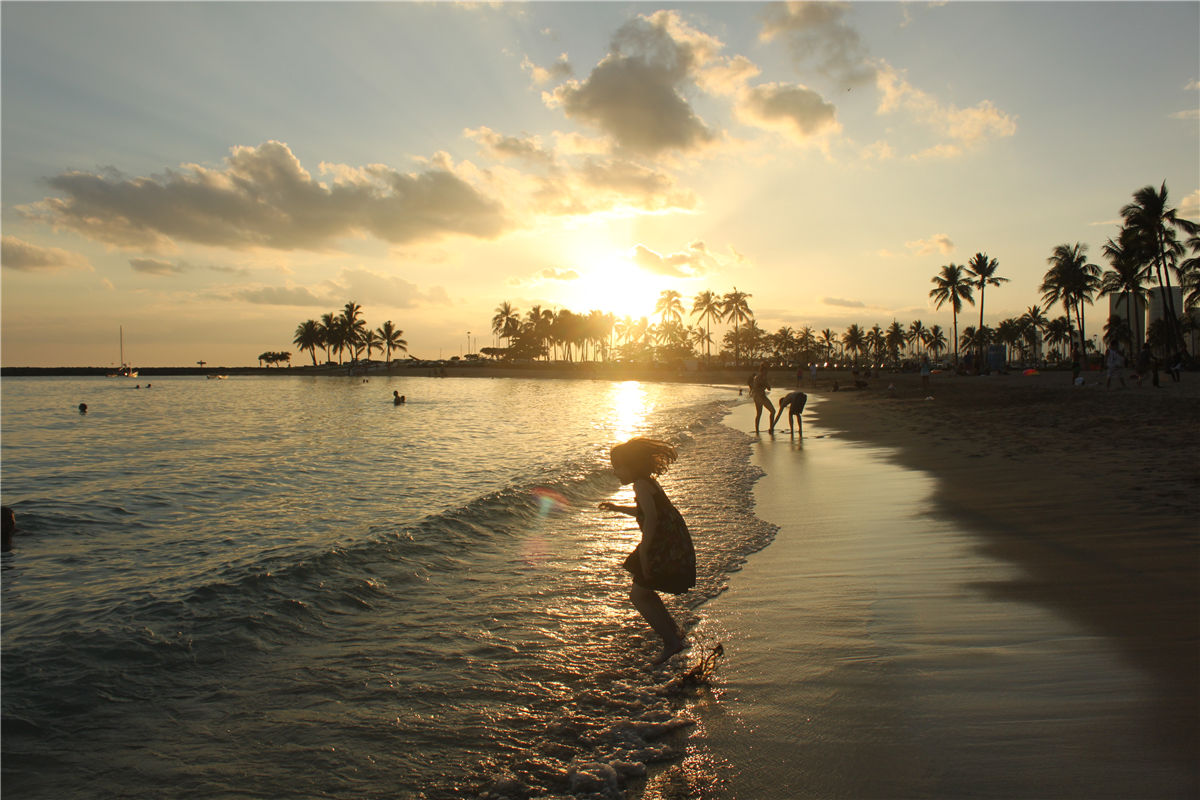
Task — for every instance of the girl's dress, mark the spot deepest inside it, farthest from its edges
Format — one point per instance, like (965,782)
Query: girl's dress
(672,557)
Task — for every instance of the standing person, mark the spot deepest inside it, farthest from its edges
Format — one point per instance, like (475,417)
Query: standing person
(664,560)
(926,368)
(799,375)
(1145,362)
(1074,366)
(1114,362)
(794,403)
(759,386)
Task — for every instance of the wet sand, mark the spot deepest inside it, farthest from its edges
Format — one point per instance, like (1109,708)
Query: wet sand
(993,593)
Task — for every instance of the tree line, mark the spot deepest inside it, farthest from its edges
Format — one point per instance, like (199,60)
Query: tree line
(338,332)
(1149,249)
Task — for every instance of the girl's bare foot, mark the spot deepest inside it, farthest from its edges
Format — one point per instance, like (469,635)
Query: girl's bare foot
(669,650)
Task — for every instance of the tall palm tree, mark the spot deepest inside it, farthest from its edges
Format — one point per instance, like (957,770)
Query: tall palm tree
(353,327)
(894,339)
(1152,222)
(827,342)
(371,341)
(1034,320)
(1059,331)
(935,339)
(916,334)
(983,269)
(669,306)
(506,322)
(952,286)
(854,340)
(735,306)
(1126,277)
(329,334)
(308,337)
(390,337)
(1072,281)
(706,307)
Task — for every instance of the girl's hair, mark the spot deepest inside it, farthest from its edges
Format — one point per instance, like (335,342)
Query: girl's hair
(644,456)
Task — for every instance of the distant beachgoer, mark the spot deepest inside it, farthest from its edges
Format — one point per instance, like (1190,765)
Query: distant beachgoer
(9,520)
(664,559)
(1175,366)
(812,372)
(1114,362)
(83,408)
(794,403)
(397,398)
(1075,366)
(759,386)
(926,369)
(799,375)
(1144,363)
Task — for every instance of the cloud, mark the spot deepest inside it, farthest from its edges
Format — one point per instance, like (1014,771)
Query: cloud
(552,274)
(965,126)
(694,261)
(151,266)
(1192,85)
(938,243)
(21,255)
(1189,207)
(636,93)
(263,197)
(1191,113)
(837,301)
(603,184)
(793,110)
(502,147)
(817,33)
(277,296)
(559,70)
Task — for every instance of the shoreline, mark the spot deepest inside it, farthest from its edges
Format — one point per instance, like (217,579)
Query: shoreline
(992,588)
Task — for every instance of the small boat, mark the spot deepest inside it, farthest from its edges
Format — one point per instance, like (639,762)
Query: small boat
(126,371)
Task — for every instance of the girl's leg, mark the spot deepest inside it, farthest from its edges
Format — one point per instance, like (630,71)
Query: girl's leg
(651,607)
(771,408)
(757,414)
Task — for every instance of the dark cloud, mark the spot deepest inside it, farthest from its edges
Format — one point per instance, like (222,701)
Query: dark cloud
(263,197)
(277,296)
(696,260)
(837,301)
(152,266)
(636,93)
(795,110)
(818,34)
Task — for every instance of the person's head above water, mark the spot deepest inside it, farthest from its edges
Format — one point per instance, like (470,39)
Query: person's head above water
(641,458)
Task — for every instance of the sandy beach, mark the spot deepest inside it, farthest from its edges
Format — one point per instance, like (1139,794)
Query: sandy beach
(995,592)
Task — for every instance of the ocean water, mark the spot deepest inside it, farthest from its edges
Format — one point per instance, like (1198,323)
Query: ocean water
(288,587)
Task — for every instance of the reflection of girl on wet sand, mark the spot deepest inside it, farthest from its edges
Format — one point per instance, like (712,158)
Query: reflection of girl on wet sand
(759,386)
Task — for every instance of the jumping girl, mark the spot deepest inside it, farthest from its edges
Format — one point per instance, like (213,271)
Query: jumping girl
(664,560)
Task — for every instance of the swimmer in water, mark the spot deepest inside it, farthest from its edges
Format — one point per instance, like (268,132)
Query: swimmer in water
(83,408)
(397,399)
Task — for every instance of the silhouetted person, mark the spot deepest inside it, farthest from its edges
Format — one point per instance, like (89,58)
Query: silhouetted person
(794,403)
(759,386)
(83,408)
(397,399)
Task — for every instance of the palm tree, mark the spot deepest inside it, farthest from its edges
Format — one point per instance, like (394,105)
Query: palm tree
(1126,278)
(827,343)
(984,270)
(1059,331)
(706,306)
(329,326)
(669,306)
(390,339)
(734,306)
(916,333)
(951,285)
(1008,332)
(506,322)
(308,337)
(894,339)
(854,340)
(1072,281)
(1152,223)
(935,339)
(371,341)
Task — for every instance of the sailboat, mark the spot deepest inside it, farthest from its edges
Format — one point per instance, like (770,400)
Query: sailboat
(125,371)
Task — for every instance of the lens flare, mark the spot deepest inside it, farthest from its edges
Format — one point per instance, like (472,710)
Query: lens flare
(548,501)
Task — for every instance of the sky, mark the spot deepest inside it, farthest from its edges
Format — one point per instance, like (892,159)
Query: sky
(207,176)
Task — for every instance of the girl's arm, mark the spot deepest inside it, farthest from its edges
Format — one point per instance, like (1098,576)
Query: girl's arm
(630,510)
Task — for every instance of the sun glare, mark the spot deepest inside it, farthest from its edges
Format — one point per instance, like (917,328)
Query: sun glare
(630,406)
(615,286)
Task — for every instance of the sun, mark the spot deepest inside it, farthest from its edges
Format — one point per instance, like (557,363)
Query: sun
(612,283)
